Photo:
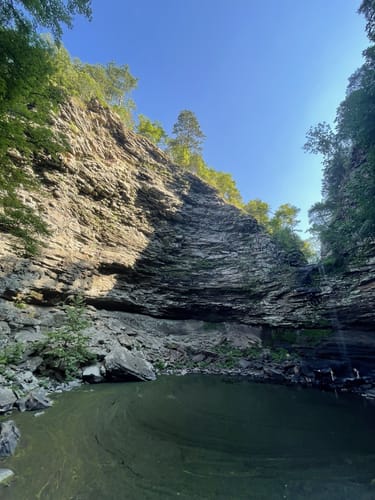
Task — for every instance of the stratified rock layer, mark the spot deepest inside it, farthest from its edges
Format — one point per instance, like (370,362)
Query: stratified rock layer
(132,232)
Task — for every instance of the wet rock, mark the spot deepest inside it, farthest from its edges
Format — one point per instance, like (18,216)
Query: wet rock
(244,363)
(4,328)
(26,380)
(34,401)
(7,399)
(274,373)
(92,374)
(5,474)
(197,358)
(369,394)
(121,364)
(32,364)
(9,437)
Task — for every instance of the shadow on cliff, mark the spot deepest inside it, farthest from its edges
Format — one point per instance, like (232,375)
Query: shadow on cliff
(205,260)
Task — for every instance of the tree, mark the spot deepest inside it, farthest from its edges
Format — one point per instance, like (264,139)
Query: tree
(27,15)
(110,83)
(367,8)
(188,133)
(282,226)
(152,130)
(285,217)
(259,210)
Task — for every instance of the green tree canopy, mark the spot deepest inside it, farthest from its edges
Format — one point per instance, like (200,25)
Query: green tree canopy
(110,83)
(260,210)
(285,217)
(188,133)
(152,130)
(51,14)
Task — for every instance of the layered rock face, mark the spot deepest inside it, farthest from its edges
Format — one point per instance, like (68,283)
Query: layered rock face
(134,233)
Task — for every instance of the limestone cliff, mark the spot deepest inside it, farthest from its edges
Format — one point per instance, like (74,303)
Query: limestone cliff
(137,234)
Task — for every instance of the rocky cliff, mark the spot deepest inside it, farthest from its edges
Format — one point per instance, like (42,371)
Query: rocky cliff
(136,234)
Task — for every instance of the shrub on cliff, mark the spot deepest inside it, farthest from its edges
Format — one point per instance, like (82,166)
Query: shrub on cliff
(65,349)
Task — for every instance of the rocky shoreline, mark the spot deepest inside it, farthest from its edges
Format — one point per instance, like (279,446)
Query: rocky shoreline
(128,346)
(23,389)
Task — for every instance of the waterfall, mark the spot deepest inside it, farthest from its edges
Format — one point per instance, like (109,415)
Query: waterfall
(335,323)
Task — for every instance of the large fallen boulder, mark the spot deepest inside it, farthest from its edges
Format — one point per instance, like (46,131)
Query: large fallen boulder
(9,436)
(122,365)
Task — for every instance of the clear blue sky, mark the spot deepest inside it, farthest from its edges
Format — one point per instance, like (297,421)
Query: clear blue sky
(256,73)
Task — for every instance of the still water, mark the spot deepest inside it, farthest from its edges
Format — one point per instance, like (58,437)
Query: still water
(195,438)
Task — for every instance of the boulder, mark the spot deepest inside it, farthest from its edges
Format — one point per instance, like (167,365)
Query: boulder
(121,365)
(7,399)
(9,436)
(244,363)
(198,358)
(92,374)
(33,401)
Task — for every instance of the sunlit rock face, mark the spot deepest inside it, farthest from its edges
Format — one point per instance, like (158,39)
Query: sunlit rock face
(133,232)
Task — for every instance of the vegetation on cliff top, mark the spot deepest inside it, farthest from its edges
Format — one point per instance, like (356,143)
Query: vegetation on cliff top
(344,219)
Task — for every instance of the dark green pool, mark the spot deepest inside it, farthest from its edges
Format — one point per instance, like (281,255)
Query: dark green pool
(195,438)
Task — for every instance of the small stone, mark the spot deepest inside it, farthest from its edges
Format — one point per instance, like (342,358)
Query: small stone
(5,474)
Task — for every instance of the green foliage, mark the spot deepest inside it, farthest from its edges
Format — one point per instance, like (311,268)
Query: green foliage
(285,217)
(51,14)
(231,355)
(27,97)
(152,130)
(345,218)
(282,226)
(260,210)
(222,181)
(65,349)
(11,354)
(310,337)
(110,83)
(279,355)
(367,8)
(185,150)
(188,133)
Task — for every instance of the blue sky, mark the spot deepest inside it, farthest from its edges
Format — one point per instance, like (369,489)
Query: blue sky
(256,73)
